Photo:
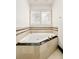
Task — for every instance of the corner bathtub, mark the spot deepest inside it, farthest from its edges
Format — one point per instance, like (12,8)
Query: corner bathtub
(36,37)
(36,46)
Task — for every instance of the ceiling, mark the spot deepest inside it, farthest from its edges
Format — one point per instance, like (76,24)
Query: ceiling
(40,2)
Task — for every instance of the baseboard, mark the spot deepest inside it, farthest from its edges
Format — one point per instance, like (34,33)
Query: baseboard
(60,48)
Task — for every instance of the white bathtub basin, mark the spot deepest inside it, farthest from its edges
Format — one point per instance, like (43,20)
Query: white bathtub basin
(36,37)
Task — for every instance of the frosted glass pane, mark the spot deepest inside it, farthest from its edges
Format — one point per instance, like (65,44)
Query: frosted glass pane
(35,17)
(45,18)
(40,17)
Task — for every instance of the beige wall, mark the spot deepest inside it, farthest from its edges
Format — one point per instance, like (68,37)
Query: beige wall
(55,13)
(22,13)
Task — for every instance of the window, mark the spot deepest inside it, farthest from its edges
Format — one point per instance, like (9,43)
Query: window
(40,17)
(35,17)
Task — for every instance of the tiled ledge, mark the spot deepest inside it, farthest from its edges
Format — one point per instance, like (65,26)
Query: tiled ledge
(43,28)
(37,28)
(22,30)
(36,44)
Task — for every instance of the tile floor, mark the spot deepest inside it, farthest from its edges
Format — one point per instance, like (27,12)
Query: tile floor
(56,55)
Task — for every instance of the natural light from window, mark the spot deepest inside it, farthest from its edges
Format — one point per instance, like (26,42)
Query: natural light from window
(40,18)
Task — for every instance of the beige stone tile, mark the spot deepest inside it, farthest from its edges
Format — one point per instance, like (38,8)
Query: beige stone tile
(56,55)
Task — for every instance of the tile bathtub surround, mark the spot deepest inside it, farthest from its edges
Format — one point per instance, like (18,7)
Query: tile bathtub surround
(48,48)
(26,55)
(22,32)
(41,50)
(36,52)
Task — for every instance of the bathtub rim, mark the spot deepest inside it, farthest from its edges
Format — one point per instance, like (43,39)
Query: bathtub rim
(36,44)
